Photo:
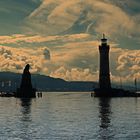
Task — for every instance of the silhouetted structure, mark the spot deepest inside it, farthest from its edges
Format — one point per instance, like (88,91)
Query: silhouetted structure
(104,76)
(105,89)
(26,90)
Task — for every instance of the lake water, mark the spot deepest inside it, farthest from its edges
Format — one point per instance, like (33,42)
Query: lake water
(69,116)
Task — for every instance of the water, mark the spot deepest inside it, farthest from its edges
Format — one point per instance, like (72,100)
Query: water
(69,116)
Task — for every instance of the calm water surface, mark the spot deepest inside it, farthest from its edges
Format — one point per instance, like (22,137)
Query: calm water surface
(69,116)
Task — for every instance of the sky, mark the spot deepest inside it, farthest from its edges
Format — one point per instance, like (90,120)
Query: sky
(60,38)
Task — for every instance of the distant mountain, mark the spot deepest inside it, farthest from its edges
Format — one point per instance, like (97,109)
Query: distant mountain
(11,81)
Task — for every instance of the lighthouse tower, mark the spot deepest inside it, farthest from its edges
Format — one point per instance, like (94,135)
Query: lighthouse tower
(104,75)
(105,89)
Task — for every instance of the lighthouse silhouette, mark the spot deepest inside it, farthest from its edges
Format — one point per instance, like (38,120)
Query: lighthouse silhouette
(105,89)
(104,74)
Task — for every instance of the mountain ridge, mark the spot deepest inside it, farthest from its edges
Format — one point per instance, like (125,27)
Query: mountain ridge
(44,83)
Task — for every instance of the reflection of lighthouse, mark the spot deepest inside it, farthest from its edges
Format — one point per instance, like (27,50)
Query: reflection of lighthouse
(104,76)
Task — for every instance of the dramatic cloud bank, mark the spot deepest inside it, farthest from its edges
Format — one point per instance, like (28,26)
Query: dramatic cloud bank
(75,59)
(94,16)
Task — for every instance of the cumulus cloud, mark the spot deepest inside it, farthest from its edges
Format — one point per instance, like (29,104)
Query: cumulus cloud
(14,59)
(73,55)
(72,60)
(84,60)
(129,63)
(75,74)
(48,60)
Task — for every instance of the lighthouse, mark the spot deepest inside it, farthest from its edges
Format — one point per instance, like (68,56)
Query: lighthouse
(105,89)
(104,73)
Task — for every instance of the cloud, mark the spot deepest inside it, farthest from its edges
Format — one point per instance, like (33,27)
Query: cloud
(47,60)
(72,60)
(49,14)
(74,74)
(21,38)
(117,19)
(14,59)
(129,62)
(60,38)
(57,16)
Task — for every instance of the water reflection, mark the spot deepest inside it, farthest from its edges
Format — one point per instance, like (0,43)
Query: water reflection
(25,119)
(26,108)
(105,111)
(105,118)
